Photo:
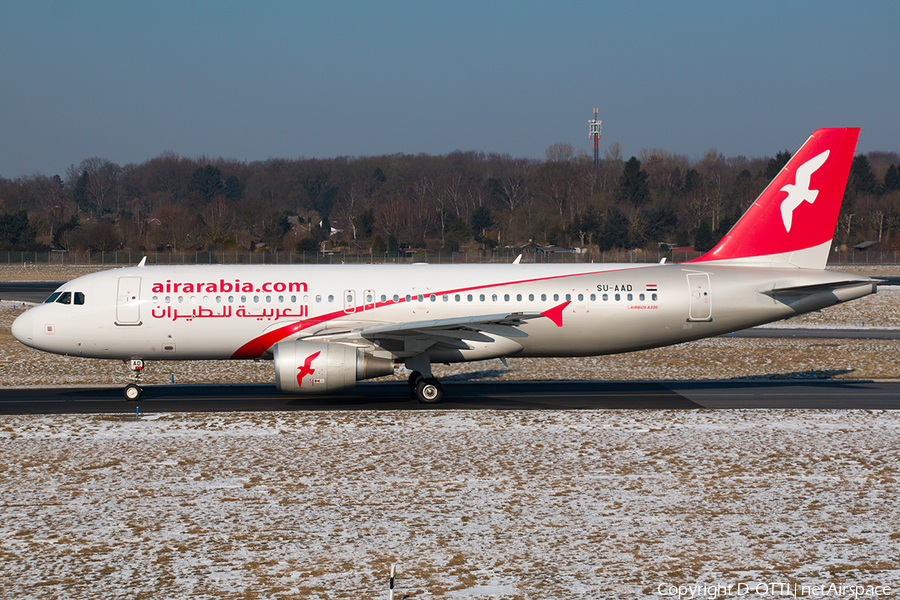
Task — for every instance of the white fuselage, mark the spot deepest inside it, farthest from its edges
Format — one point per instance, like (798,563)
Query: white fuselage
(223,312)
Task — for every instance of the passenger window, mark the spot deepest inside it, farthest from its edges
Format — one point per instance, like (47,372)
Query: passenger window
(244,299)
(408,298)
(518,297)
(293,299)
(445,298)
(630,297)
(421,298)
(155,299)
(568,297)
(543,297)
(456,297)
(618,297)
(256,299)
(180,299)
(330,297)
(433,298)
(396,298)
(384,298)
(605,297)
(168,299)
(531,297)
(281,299)
(580,297)
(65,298)
(218,299)
(494,297)
(593,297)
(506,297)
(368,298)
(469,297)
(481,297)
(653,297)
(318,298)
(641,297)
(555,297)
(230,300)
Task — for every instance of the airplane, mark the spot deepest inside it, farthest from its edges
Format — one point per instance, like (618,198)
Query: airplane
(328,326)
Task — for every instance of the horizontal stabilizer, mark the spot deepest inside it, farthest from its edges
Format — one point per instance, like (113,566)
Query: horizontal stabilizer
(816,288)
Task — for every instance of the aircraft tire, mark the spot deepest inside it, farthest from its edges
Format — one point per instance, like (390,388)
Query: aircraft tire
(429,391)
(132,392)
(414,378)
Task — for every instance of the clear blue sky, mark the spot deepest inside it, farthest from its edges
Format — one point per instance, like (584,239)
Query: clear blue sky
(127,80)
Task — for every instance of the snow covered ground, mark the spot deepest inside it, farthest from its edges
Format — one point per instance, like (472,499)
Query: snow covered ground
(506,504)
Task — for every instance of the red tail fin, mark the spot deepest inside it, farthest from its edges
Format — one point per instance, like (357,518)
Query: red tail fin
(792,222)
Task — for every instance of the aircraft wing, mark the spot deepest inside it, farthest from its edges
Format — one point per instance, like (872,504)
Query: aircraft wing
(452,333)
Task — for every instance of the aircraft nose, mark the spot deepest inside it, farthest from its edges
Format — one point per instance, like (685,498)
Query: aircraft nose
(23,328)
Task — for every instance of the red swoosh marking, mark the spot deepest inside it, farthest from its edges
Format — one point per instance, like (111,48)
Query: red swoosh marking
(259,345)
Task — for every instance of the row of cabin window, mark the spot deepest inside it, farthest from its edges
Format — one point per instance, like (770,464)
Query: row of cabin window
(230,299)
(76,298)
(79,298)
(496,298)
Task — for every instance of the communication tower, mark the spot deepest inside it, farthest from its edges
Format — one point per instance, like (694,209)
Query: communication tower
(595,136)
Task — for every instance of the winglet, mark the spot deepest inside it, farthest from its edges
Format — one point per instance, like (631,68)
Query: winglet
(555,313)
(143,262)
(518,260)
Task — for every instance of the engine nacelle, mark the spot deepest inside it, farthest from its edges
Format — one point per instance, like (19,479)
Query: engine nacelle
(319,367)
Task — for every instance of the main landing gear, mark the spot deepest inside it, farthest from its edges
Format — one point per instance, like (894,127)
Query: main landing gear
(133,390)
(428,390)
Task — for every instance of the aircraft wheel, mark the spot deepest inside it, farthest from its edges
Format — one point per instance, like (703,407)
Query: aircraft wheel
(132,392)
(414,378)
(429,391)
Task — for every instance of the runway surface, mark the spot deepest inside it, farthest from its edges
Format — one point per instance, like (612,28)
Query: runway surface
(556,395)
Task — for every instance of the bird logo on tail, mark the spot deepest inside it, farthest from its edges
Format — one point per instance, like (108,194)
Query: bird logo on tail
(799,191)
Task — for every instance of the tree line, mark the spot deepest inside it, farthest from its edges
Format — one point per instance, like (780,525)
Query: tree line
(441,203)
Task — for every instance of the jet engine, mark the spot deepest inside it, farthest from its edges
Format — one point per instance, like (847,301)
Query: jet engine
(303,367)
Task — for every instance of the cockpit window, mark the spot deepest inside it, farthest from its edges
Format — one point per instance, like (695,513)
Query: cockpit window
(76,298)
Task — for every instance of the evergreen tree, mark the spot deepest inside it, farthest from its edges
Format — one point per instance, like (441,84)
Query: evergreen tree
(16,233)
(775,165)
(633,186)
(207,181)
(367,223)
(378,246)
(704,240)
(892,179)
(393,247)
(482,219)
(615,231)
(232,188)
(861,177)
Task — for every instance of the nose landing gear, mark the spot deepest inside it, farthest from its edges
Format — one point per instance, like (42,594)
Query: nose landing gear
(133,390)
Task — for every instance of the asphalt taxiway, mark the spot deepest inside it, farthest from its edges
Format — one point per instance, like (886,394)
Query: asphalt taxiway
(553,395)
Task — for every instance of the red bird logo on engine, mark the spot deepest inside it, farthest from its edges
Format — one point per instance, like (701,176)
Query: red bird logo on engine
(306,368)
